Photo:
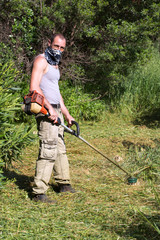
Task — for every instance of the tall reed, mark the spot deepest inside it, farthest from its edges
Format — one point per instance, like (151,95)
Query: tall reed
(142,89)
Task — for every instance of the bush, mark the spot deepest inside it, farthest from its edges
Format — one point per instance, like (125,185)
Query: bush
(81,105)
(14,136)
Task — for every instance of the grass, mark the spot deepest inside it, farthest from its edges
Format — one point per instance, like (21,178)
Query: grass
(142,89)
(104,206)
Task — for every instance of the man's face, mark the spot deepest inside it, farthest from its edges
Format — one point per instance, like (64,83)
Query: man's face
(58,44)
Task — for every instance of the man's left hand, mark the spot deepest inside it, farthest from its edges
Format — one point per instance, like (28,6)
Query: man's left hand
(69,119)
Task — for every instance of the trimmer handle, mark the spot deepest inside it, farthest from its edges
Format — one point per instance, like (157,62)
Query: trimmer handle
(71,131)
(77,132)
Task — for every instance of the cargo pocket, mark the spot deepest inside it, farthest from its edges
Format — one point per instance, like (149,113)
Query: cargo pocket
(48,149)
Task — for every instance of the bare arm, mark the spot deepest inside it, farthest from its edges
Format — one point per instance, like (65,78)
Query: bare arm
(39,68)
(65,112)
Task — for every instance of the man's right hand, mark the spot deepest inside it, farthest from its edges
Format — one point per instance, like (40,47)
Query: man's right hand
(53,115)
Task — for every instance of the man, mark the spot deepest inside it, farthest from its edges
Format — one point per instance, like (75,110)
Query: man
(52,153)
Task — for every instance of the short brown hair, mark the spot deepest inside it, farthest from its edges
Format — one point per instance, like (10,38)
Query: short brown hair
(56,35)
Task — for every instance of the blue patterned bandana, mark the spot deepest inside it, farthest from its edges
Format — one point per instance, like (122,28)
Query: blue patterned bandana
(53,56)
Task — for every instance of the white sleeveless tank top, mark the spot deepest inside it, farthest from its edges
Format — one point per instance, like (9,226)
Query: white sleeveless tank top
(49,85)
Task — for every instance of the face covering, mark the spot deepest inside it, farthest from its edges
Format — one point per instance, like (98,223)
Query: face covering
(53,56)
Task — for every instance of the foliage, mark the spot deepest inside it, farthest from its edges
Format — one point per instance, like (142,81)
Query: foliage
(81,105)
(13,136)
(105,38)
(6,53)
(142,90)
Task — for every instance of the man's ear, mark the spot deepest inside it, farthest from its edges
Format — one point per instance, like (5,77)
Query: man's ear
(49,42)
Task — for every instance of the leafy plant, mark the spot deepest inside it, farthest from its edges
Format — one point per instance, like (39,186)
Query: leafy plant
(81,105)
(14,136)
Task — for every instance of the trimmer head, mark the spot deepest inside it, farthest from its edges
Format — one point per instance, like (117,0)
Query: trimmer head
(132,180)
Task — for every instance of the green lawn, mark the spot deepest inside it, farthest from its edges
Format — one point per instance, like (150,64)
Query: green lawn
(104,206)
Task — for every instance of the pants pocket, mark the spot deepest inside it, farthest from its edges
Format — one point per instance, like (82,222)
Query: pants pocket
(48,149)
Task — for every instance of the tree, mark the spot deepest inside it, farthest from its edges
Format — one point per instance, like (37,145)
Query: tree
(105,38)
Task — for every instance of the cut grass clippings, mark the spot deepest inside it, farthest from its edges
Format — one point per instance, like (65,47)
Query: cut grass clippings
(104,206)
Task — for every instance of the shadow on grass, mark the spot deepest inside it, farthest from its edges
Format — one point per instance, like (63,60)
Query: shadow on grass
(142,229)
(24,182)
(55,188)
(151,121)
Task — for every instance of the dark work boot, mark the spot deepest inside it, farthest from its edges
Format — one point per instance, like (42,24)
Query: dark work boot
(42,198)
(66,188)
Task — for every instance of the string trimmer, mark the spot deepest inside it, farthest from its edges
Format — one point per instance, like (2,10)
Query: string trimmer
(131,177)
(34,104)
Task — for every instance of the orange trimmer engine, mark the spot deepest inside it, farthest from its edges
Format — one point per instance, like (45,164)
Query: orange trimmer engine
(34,103)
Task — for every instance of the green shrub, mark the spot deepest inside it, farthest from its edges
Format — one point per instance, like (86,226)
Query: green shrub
(81,105)
(14,136)
(6,53)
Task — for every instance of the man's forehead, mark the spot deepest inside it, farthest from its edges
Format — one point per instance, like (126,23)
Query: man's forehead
(58,39)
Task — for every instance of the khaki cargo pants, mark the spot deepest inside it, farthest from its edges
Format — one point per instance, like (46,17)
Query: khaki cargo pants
(52,155)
